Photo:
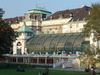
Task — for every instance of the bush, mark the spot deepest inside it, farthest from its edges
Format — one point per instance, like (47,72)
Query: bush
(13,65)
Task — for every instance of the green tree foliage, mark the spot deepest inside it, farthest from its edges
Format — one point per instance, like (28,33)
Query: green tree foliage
(92,20)
(90,56)
(7,36)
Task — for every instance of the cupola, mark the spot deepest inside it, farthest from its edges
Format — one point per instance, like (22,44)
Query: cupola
(37,12)
(25,30)
(38,9)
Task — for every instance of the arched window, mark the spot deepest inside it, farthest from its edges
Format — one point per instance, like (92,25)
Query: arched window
(19,44)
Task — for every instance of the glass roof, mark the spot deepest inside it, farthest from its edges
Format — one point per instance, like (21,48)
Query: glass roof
(68,42)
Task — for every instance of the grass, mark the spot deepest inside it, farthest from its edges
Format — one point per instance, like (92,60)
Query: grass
(35,72)
(10,69)
(15,65)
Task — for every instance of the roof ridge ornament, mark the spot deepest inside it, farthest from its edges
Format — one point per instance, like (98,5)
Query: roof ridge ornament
(36,5)
(44,7)
(24,22)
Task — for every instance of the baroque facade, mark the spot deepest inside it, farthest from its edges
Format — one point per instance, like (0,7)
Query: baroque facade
(46,38)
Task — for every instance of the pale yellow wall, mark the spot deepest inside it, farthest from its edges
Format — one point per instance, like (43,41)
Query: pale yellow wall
(62,26)
(53,26)
(75,26)
(55,22)
(32,24)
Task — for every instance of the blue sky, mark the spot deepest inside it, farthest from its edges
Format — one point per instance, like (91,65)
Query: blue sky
(15,8)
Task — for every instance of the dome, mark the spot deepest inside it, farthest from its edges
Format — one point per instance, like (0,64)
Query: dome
(39,10)
(24,29)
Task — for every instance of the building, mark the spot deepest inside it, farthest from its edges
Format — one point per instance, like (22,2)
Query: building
(45,38)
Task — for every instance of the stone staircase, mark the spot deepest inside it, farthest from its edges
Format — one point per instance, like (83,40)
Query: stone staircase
(58,64)
(63,64)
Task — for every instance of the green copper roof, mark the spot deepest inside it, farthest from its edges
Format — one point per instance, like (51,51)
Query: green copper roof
(39,10)
(24,29)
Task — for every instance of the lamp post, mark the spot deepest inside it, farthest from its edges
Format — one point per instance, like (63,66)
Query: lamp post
(48,60)
(44,48)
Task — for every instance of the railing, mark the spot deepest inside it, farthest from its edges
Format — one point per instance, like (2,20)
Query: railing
(67,64)
(58,63)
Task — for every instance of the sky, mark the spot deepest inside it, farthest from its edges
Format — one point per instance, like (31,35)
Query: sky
(15,8)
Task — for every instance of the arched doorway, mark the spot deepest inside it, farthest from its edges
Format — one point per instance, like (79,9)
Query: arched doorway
(19,46)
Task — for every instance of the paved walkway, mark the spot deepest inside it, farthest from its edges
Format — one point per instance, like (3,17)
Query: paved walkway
(68,69)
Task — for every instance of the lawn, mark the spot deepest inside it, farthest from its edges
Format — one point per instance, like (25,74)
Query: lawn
(35,72)
(10,69)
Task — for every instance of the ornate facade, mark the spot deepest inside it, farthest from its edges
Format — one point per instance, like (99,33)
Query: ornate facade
(54,39)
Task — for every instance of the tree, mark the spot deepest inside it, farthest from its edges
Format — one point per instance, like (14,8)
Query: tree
(88,58)
(7,36)
(91,55)
(92,21)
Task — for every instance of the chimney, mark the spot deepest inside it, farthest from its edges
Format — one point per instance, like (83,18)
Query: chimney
(83,5)
(71,14)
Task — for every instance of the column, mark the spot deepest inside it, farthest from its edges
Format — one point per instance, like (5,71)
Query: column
(37,60)
(28,60)
(16,59)
(45,60)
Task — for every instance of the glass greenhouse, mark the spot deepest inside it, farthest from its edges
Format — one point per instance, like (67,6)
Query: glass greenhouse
(67,42)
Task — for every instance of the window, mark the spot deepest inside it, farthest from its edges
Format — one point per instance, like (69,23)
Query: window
(60,16)
(43,16)
(19,44)
(70,25)
(29,34)
(76,25)
(20,59)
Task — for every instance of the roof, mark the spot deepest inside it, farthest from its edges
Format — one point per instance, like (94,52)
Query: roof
(33,12)
(78,13)
(24,29)
(13,20)
(68,42)
(39,10)
(81,14)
